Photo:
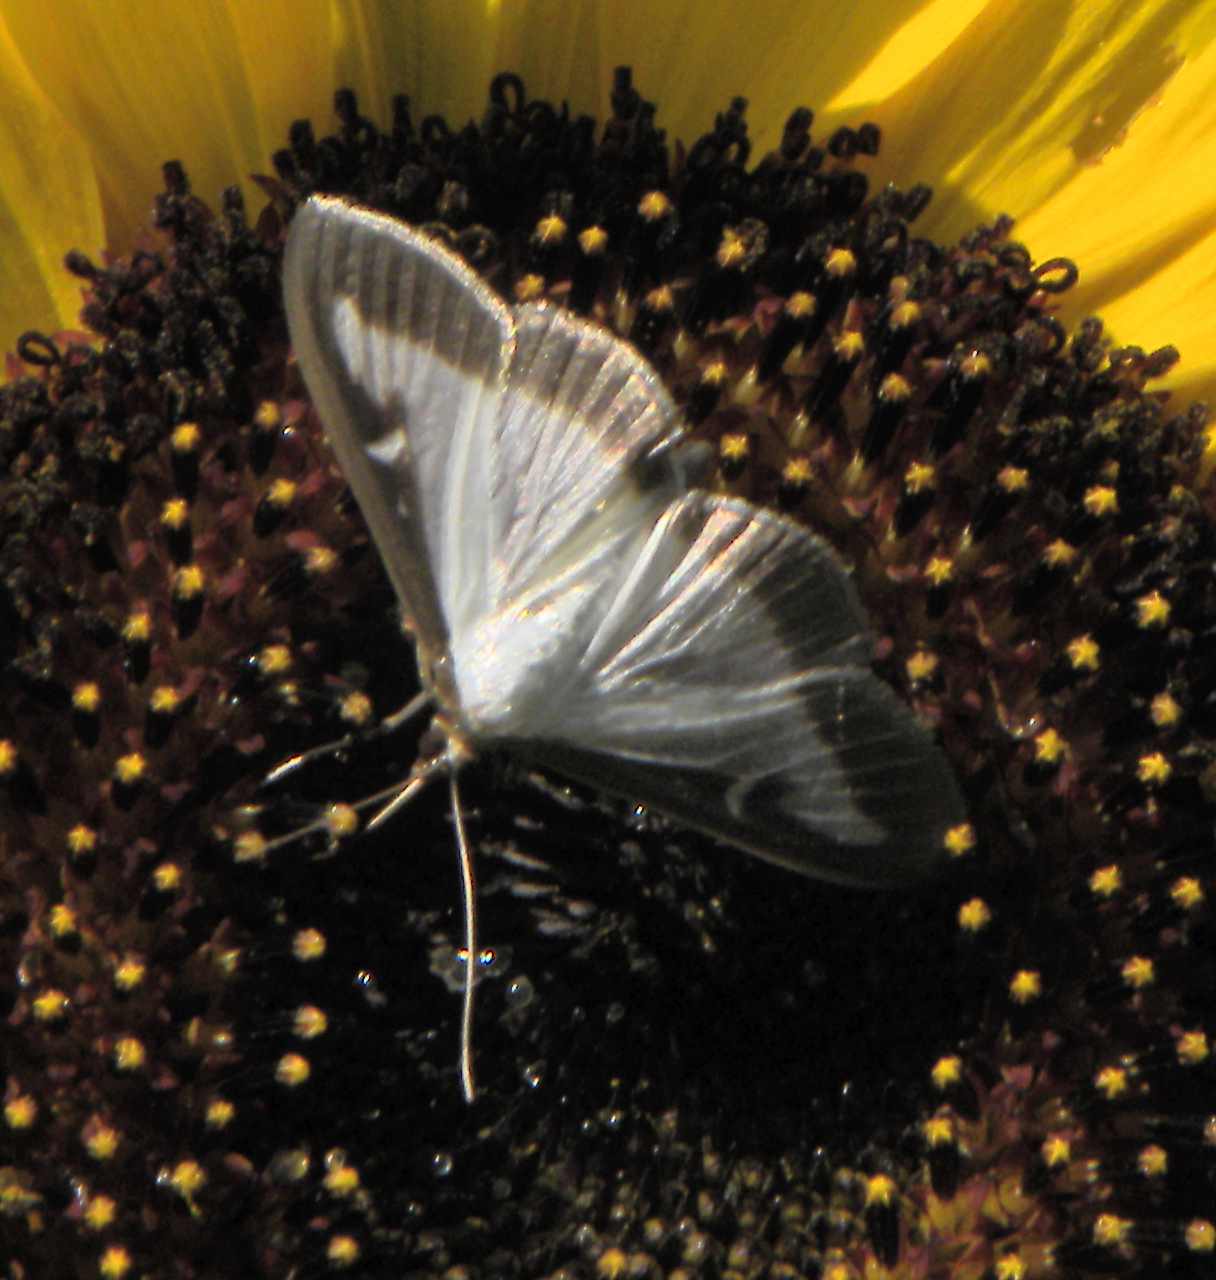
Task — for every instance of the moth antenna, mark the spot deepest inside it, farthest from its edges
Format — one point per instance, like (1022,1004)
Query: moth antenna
(468,887)
(390,724)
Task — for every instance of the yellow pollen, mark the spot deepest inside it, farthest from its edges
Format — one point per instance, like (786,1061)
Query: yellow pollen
(1100,500)
(947,1071)
(114,1263)
(612,1264)
(1111,1230)
(137,628)
(838,1270)
(1049,747)
(939,571)
(1013,479)
(550,229)
(165,700)
(293,1069)
(274,659)
(529,287)
(188,1178)
(974,915)
(1056,1151)
(977,365)
(129,973)
(660,299)
(1164,711)
(188,582)
(593,241)
(308,944)
(129,769)
(1111,1082)
(175,513)
(50,1005)
(309,1022)
(797,472)
(100,1212)
(20,1111)
(960,840)
(1026,986)
(220,1113)
(734,447)
(939,1130)
(1152,610)
(905,315)
(341,820)
(1010,1266)
(86,696)
(919,477)
(100,1139)
(880,1190)
(849,346)
(342,1180)
(129,1054)
(1152,1161)
(800,305)
(185,439)
(8,756)
(1059,554)
(320,561)
(62,920)
(654,205)
(894,388)
(342,1251)
(1084,653)
(732,251)
(81,840)
(1187,893)
(921,666)
(282,493)
(1106,881)
(356,708)
(249,846)
(267,416)
(715,374)
(1138,972)
(1192,1048)
(840,263)
(1153,769)
(1201,1236)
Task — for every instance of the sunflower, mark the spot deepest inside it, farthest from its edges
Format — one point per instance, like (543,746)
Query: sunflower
(218,1025)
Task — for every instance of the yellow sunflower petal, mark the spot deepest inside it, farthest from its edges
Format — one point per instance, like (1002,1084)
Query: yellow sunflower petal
(48,203)
(145,83)
(287,50)
(442,53)
(779,54)
(1142,227)
(1092,126)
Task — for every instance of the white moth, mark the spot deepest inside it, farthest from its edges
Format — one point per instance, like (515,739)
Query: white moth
(572,599)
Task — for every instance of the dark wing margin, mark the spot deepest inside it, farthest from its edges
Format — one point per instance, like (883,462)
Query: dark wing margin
(730,687)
